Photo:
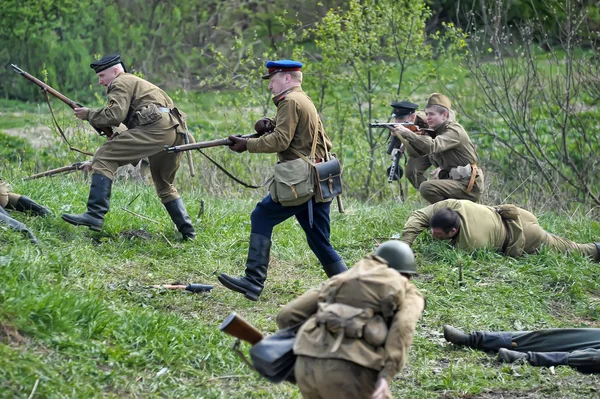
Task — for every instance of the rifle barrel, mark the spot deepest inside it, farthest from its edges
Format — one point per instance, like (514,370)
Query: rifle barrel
(69,168)
(47,88)
(200,145)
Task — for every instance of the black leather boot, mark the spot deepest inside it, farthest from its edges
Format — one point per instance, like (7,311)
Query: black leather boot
(253,282)
(26,204)
(335,268)
(455,336)
(180,217)
(508,356)
(16,225)
(97,205)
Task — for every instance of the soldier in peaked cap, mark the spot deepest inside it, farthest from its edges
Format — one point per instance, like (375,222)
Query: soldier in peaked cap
(418,162)
(153,122)
(296,130)
(451,151)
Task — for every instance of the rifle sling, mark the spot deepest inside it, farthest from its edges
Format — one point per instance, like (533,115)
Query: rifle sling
(62,134)
(268,181)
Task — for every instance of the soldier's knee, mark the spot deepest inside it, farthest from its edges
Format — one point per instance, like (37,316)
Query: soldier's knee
(429,192)
(258,214)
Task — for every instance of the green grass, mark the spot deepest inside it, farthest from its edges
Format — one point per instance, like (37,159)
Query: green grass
(74,313)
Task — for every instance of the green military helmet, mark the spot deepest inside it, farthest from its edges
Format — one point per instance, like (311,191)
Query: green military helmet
(398,255)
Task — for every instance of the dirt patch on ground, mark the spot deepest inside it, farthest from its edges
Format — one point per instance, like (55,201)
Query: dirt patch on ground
(39,136)
(11,336)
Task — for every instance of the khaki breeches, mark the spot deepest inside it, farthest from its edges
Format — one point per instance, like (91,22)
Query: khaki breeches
(134,144)
(333,379)
(7,197)
(536,237)
(438,190)
(415,170)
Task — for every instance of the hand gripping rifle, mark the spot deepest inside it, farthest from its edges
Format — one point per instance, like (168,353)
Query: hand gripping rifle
(65,169)
(105,131)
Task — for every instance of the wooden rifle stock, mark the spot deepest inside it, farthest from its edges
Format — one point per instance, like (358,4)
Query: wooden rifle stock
(51,172)
(105,131)
(239,328)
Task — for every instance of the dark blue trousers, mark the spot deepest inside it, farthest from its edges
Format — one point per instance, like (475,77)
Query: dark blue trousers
(549,340)
(269,214)
(575,347)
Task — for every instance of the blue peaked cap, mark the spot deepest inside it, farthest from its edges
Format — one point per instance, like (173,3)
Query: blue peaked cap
(281,66)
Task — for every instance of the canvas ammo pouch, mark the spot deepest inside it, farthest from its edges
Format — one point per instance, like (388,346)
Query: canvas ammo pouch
(293,183)
(461,172)
(147,115)
(345,321)
(329,179)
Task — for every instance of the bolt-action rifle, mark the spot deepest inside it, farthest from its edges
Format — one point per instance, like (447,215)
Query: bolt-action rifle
(208,144)
(239,328)
(64,170)
(105,131)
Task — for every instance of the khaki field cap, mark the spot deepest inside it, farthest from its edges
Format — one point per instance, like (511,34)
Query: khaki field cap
(439,99)
(398,255)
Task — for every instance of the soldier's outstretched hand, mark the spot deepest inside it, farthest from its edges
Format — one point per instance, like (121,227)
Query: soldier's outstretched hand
(399,131)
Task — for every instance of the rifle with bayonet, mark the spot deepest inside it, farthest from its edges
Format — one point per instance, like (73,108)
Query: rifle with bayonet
(105,131)
(208,144)
(65,169)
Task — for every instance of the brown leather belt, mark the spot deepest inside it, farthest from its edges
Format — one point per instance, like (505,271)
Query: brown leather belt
(473,176)
(508,236)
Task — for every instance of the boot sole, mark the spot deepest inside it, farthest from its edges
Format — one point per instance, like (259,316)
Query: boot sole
(234,287)
(76,223)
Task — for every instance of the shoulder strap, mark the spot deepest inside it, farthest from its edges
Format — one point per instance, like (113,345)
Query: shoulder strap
(313,151)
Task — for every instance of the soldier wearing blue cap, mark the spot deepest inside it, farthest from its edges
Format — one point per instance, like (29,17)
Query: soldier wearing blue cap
(296,130)
(152,123)
(418,162)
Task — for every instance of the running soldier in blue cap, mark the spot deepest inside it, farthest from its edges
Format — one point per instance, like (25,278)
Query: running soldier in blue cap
(293,131)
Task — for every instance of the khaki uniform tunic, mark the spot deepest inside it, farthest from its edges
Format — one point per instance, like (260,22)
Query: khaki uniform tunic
(133,101)
(370,284)
(6,197)
(451,148)
(482,227)
(297,123)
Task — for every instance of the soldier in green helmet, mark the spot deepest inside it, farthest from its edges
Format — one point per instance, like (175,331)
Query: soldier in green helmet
(357,327)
